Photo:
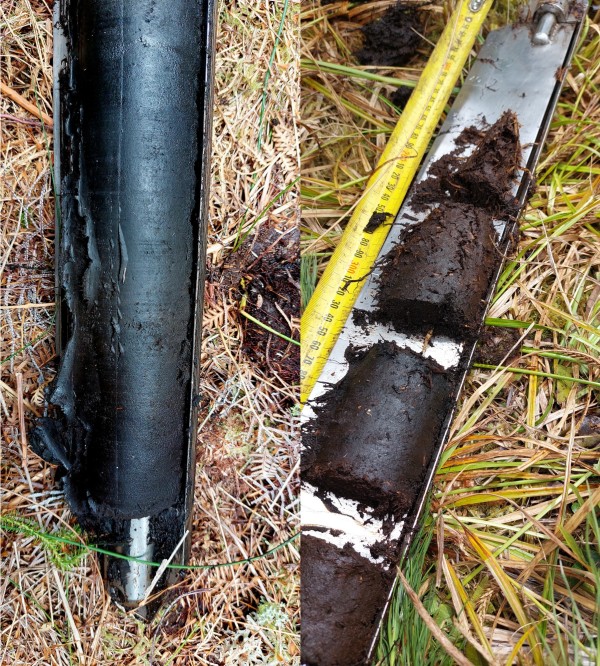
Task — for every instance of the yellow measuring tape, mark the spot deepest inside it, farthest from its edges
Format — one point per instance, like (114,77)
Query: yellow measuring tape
(368,227)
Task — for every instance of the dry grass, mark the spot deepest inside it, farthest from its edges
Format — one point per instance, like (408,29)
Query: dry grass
(511,575)
(246,478)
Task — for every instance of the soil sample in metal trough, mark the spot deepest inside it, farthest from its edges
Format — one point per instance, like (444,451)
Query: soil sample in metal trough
(439,275)
(341,598)
(484,178)
(379,454)
(428,284)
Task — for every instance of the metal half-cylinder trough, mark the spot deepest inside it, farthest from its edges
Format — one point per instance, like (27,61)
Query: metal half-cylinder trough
(133,105)
(377,418)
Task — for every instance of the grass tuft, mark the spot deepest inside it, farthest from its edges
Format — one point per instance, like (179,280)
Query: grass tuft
(64,553)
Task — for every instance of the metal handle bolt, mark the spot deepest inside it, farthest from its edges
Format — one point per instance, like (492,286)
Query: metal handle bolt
(547,15)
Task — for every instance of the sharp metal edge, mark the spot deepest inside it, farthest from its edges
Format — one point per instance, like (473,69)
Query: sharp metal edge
(59,57)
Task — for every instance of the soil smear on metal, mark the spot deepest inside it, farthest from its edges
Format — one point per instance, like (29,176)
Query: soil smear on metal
(439,274)
(122,421)
(122,427)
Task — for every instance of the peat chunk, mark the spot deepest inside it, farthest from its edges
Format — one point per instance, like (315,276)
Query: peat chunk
(485,178)
(392,39)
(342,599)
(439,274)
(379,454)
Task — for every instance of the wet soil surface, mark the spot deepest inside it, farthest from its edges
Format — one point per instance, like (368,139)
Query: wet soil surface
(438,276)
(392,39)
(340,597)
(496,345)
(378,456)
(264,276)
(485,178)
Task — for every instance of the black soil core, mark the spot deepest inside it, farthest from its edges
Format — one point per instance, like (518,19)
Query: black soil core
(372,440)
(341,599)
(438,276)
(379,454)
(430,285)
(392,39)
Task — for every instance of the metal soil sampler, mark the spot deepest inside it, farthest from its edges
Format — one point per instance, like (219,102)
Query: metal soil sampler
(133,105)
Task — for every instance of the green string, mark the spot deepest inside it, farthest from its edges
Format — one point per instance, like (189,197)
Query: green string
(15,524)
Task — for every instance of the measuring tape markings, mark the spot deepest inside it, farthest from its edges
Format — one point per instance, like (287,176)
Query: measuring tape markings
(355,255)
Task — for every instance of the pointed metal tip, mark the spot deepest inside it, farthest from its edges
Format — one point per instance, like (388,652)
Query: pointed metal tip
(133,584)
